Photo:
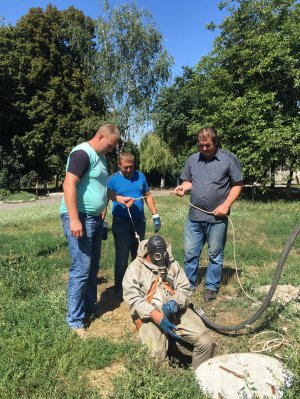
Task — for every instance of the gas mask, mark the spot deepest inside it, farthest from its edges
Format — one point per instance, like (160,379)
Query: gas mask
(157,250)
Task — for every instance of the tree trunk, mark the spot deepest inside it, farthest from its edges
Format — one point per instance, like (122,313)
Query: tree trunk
(273,175)
(37,187)
(46,188)
(289,182)
(162,182)
(56,182)
(253,191)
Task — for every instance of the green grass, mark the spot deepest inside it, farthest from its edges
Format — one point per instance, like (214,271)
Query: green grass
(41,358)
(19,196)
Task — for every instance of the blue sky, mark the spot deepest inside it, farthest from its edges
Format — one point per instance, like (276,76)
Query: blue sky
(182,22)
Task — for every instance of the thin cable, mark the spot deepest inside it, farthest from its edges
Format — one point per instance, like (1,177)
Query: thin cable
(210,213)
(234,249)
(269,344)
(154,196)
(135,232)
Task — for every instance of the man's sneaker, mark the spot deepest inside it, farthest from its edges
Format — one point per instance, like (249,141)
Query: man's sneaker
(209,295)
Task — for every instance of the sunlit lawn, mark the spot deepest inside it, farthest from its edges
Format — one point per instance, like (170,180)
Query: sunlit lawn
(41,358)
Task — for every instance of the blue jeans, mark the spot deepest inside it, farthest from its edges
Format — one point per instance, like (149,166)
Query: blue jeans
(125,243)
(196,234)
(85,255)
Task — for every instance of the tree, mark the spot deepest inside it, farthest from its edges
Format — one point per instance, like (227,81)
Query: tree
(173,114)
(251,84)
(247,87)
(11,169)
(11,116)
(132,64)
(56,97)
(155,156)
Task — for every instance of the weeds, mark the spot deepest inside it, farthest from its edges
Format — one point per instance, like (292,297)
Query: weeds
(144,379)
(40,358)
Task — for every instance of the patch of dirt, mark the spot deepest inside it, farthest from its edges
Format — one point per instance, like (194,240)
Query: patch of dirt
(114,321)
(102,379)
(228,318)
(284,293)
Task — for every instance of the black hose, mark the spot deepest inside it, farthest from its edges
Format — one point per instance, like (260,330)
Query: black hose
(267,299)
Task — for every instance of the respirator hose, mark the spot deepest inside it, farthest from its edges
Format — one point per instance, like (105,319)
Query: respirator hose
(267,299)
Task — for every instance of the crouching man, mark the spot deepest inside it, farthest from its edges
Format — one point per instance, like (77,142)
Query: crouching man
(158,294)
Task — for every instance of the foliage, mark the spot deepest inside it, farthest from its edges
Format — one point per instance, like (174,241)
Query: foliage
(143,379)
(173,113)
(133,148)
(247,87)
(252,84)
(4,194)
(10,171)
(48,57)
(155,155)
(11,117)
(131,65)
(29,180)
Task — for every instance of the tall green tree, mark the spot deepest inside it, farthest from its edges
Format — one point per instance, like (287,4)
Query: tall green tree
(54,52)
(155,156)
(11,116)
(247,87)
(132,64)
(251,84)
(173,114)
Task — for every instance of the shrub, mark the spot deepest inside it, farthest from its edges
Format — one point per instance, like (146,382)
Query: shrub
(4,194)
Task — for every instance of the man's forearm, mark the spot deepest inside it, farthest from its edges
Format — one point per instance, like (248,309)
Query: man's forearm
(112,195)
(187,186)
(151,203)
(233,194)
(70,200)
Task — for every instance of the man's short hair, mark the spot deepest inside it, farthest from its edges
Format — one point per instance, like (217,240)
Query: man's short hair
(108,130)
(208,133)
(126,156)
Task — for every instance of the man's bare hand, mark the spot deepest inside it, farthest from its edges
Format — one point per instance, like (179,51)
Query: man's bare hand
(127,201)
(76,228)
(179,190)
(156,316)
(221,210)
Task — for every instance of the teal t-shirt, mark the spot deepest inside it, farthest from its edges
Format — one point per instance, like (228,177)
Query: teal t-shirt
(91,189)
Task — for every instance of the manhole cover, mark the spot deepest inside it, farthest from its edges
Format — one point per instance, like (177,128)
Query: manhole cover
(243,375)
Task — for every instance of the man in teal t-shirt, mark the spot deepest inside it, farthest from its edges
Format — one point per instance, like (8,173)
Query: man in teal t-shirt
(85,197)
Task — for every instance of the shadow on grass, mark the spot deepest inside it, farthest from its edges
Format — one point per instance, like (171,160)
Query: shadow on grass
(227,274)
(108,301)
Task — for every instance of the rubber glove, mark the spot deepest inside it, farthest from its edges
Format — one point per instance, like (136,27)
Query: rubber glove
(169,308)
(156,222)
(168,328)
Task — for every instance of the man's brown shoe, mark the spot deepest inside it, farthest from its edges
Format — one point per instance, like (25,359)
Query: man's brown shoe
(209,295)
